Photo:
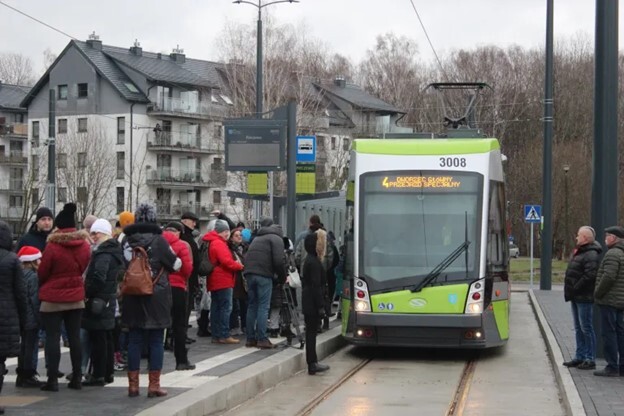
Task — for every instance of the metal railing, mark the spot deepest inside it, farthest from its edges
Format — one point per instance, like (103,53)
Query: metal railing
(191,107)
(202,210)
(14,129)
(14,156)
(175,176)
(11,212)
(179,141)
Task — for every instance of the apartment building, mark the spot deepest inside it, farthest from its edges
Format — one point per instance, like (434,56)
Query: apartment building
(13,154)
(133,126)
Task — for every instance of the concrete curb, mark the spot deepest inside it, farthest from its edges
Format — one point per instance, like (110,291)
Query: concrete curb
(571,398)
(235,388)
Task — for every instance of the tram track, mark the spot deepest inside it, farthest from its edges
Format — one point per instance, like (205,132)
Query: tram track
(460,398)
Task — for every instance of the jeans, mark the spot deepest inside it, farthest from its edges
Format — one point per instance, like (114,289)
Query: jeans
(178,324)
(28,347)
(612,324)
(583,327)
(52,322)
(259,299)
(155,339)
(102,358)
(220,310)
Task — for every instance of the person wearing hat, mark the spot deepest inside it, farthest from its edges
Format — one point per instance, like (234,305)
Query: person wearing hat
(30,257)
(61,291)
(38,233)
(178,280)
(189,224)
(100,291)
(221,282)
(609,296)
(125,219)
(13,302)
(147,317)
(578,289)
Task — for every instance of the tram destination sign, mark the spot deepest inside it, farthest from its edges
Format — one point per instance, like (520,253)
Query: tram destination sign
(429,182)
(255,145)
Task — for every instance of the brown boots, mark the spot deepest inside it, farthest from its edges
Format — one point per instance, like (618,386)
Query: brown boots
(133,383)
(154,390)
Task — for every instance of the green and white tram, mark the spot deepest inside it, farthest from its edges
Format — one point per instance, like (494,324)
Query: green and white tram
(427,257)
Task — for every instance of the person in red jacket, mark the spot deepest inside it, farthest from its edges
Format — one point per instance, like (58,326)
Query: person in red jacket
(178,281)
(62,293)
(221,281)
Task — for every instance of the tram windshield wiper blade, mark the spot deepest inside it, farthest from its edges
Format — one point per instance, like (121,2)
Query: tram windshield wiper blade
(433,274)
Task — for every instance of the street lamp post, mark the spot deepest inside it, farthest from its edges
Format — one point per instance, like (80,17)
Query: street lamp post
(259,84)
(566,168)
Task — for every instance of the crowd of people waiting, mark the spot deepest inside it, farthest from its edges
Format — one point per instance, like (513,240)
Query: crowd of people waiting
(59,278)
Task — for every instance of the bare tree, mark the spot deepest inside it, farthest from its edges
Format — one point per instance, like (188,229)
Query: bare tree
(48,58)
(86,167)
(16,69)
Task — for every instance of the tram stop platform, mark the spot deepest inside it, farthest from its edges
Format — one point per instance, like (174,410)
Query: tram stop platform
(225,376)
(582,392)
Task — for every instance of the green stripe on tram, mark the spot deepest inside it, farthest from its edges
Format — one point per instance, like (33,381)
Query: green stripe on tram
(425,146)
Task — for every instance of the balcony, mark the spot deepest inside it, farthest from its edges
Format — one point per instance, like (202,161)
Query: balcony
(15,130)
(179,142)
(171,178)
(14,158)
(178,107)
(170,212)
(11,213)
(11,185)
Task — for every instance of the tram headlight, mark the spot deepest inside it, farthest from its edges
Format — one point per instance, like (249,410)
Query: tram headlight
(474,308)
(478,334)
(361,306)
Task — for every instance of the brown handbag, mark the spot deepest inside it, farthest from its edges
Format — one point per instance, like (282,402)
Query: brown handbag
(137,279)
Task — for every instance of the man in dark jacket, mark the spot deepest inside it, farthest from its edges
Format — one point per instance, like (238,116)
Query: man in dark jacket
(580,279)
(39,231)
(12,300)
(609,295)
(190,221)
(264,260)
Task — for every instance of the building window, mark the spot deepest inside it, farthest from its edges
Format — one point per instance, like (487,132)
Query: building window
(83,90)
(334,171)
(62,92)
(216,163)
(82,125)
(218,131)
(82,194)
(345,144)
(216,197)
(120,198)
(121,130)
(62,125)
(333,143)
(61,160)
(35,167)
(121,165)
(320,143)
(16,201)
(34,199)
(62,195)
(82,160)
(35,130)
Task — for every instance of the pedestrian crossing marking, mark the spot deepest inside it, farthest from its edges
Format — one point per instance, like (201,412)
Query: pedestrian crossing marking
(532,215)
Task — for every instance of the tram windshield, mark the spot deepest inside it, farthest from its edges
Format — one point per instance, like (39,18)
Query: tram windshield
(411,221)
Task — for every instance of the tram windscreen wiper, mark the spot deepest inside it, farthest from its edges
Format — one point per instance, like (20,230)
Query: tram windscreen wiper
(433,274)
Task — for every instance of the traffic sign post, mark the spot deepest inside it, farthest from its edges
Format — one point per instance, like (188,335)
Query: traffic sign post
(532,215)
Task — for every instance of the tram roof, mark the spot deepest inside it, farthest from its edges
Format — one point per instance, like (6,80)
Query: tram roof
(425,146)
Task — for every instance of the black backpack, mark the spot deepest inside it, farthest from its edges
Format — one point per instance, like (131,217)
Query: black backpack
(205,265)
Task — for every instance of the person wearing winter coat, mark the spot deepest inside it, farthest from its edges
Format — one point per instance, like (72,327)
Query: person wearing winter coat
(30,257)
(264,262)
(37,235)
(609,296)
(313,301)
(221,282)
(61,291)
(148,316)
(579,283)
(178,281)
(107,263)
(13,302)
(239,296)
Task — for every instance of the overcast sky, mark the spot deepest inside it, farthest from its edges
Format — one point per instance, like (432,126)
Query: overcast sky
(348,27)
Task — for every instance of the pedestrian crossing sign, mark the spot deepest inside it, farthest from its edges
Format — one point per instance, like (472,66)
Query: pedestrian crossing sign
(533,213)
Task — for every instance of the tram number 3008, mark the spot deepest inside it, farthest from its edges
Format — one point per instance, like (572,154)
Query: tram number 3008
(452,162)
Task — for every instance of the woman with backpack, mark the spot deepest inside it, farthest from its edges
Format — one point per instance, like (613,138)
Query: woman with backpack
(147,315)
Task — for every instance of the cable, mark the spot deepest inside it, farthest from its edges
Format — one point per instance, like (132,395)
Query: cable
(36,20)
(429,40)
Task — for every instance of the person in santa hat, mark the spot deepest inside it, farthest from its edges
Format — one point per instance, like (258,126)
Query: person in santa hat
(30,257)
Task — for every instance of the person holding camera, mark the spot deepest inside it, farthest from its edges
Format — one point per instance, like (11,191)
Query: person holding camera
(312,295)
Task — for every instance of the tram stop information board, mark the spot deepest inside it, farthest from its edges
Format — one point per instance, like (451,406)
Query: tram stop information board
(255,145)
